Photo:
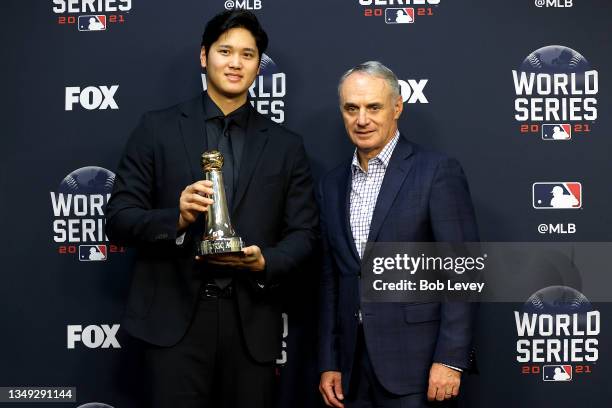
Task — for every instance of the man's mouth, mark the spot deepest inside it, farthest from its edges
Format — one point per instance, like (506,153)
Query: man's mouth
(233,77)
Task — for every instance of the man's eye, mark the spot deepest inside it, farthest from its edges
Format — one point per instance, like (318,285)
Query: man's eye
(224,52)
(248,55)
(375,108)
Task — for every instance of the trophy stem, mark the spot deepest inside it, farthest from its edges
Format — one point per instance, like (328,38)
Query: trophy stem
(219,235)
(218,224)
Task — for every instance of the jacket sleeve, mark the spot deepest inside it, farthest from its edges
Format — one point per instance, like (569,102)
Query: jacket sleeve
(131,216)
(300,220)
(453,220)
(328,300)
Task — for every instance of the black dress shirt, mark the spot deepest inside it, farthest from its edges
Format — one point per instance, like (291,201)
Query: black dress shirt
(214,119)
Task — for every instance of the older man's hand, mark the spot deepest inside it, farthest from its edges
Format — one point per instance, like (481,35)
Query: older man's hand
(330,388)
(443,382)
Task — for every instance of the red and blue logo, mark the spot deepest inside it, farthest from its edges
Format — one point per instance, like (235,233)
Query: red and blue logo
(557,373)
(399,15)
(557,195)
(88,253)
(92,23)
(556,131)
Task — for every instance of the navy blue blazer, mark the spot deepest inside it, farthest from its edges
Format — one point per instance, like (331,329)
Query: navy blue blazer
(424,197)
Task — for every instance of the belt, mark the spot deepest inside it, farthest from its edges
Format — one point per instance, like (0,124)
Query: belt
(211,290)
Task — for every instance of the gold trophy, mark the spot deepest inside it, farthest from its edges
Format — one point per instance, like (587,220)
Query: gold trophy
(219,235)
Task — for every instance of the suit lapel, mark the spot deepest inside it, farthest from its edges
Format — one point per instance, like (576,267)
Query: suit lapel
(256,138)
(193,130)
(399,167)
(344,209)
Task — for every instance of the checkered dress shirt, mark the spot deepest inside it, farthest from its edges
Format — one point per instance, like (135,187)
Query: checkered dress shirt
(365,186)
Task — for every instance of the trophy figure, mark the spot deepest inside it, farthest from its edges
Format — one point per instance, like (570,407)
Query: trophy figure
(219,235)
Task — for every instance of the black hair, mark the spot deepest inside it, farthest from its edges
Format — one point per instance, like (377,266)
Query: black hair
(229,19)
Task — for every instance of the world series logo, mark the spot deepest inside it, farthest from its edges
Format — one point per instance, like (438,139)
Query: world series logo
(91,15)
(556,94)
(397,13)
(78,214)
(557,335)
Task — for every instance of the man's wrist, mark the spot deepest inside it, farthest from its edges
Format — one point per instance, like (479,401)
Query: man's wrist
(452,367)
(262,264)
(181,225)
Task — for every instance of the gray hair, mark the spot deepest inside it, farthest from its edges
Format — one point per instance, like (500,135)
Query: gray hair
(375,69)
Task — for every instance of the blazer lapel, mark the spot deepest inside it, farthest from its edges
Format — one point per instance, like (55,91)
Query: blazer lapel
(399,167)
(256,138)
(344,209)
(193,130)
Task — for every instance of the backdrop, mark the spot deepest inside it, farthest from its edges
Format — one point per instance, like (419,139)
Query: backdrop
(519,91)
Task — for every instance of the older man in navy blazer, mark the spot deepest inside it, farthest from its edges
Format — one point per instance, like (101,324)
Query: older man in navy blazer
(392,190)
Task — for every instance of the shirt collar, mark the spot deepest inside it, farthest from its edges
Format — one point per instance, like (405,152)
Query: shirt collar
(239,116)
(384,157)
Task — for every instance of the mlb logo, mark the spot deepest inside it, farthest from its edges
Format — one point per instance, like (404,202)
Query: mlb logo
(89,253)
(556,131)
(399,15)
(557,195)
(557,373)
(92,23)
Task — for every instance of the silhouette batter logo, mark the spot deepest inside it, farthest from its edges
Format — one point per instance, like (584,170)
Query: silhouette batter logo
(557,195)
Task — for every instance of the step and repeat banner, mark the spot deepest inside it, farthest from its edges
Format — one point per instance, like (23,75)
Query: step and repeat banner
(519,91)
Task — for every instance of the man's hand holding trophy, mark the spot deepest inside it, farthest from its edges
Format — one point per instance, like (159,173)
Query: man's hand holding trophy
(219,245)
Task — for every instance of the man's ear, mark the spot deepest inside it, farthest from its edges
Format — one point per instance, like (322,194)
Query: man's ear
(203,57)
(399,107)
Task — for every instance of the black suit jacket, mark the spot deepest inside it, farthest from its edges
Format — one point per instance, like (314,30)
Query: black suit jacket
(273,208)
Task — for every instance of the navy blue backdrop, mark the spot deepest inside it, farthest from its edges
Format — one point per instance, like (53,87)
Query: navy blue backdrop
(78,74)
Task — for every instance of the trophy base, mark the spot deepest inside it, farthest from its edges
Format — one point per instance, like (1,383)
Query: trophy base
(220,246)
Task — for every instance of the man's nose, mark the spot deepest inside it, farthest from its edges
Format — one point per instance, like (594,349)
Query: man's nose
(362,119)
(235,61)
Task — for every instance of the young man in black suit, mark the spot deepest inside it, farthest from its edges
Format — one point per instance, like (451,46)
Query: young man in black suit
(213,325)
